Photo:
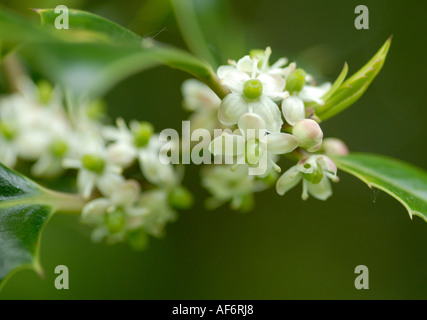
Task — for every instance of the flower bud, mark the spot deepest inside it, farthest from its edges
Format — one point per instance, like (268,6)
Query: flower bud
(115,220)
(295,81)
(309,134)
(334,147)
(137,239)
(180,198)
(93,163)
(142,134)
(45,91)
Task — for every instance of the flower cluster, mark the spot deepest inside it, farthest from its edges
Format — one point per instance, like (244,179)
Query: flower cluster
(268,108)
(129,193)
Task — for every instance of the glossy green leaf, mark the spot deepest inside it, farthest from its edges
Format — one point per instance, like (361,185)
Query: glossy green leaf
(89,65)
(354,87)
(85,26)
(337,83)
(403,181)
(25,209)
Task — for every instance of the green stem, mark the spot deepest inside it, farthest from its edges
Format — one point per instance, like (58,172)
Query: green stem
(66,203)
(213,82)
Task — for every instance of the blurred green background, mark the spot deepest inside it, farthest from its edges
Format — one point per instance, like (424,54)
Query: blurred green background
(286,248)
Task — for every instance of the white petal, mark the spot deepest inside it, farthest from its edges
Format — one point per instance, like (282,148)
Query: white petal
(312,93)
(288,180)
(232,78)
(227,145)
(321,190)
(273,85)
(245,65)
(85,183)
(269,112)
(293,109)
(121,154)
(327,164)
(232,107)
(197,95)
(94,211)
(71,163)
(126,193)
(108,182)
(251,121)
(155,171)
(279,143)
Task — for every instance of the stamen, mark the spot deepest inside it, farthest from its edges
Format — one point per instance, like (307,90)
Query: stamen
(254,67)
(267,55)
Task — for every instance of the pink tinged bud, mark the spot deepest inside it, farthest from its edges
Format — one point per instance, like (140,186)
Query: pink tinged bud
(335,147)
(309,134)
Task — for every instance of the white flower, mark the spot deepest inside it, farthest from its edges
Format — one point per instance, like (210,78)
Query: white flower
(253,143)
(162,175)
(204,104)
(254,94)
(159,212)
(127,142)
(315,172)
(225,185)
(95,169)
(117,214)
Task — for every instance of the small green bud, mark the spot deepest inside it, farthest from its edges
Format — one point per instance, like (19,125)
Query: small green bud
(315,177)
(252,89)
(115,220)
(143,133)
(258,53)
(7,130)
(180,198)
(296,81)
(45,91)
(59,148)
(96,109)
(93,163)
(137,239)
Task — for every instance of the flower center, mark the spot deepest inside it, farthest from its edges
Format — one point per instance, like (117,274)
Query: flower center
(142,134)
(315,177)
(252,89)
(58,148)
(7,130)
(93,163)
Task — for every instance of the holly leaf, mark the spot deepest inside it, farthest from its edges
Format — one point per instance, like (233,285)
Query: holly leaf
(25,209)
(352,88)
(403,181)
(94,54)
